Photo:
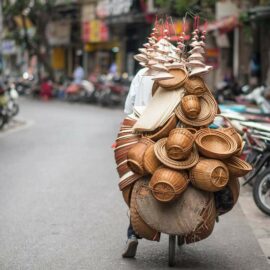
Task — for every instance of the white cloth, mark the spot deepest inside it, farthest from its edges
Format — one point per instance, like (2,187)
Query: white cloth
(140,91)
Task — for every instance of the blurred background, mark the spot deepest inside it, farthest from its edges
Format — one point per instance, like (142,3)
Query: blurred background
(65,71)
(47,40)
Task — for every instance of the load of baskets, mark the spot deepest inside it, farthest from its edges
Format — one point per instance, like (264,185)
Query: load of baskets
(178,173)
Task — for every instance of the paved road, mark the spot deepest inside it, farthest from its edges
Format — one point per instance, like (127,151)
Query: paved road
(60,207)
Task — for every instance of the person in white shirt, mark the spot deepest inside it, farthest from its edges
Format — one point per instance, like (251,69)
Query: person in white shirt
(140,93)
(78,74)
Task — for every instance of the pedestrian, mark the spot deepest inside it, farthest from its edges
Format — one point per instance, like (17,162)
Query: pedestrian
(139,95)
(78,74)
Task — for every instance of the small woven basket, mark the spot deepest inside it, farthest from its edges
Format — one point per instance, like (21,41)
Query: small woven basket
(167,184)
(179,143)
(150,161)
(135,155)
(195,85)
(237,167)
(191,106)
(163,131)
(210,175)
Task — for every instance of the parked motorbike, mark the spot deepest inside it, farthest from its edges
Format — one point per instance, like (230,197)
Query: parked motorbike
(113,91)
(258,147)
(84,92)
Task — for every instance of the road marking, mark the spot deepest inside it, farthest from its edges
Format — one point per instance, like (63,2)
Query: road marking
(13,127)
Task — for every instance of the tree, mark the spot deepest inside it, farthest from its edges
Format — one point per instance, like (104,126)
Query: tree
(39,13)
(180,7)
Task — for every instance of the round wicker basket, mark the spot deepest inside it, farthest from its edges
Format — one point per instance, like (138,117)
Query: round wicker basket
(150,161)
(167,184)
(206,226)
(215,144)
(179,143)
(163,131)
(210,175)
(191,106)
(237,167)
(195,85)
(138,224)
(135,155)
(180,76)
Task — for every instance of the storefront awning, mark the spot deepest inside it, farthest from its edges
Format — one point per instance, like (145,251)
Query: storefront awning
(259,13)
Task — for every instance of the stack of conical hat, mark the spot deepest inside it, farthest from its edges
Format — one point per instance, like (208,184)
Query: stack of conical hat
(196,58)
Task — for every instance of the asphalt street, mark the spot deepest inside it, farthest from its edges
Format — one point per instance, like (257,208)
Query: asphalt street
(60,207)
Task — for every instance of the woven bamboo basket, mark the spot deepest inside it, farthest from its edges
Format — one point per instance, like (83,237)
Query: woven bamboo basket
(167,184)
(210,175)
(230,130)
(180,76)
(126,192)
(206,226)
(191,106)
(122,168)
(135,155)
(150,161)
(195,85)
(179,143)
(138,224)
(237,167)
(163,131)
(215,144)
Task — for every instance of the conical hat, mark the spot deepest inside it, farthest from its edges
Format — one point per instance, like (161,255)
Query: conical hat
(142,50)
(197,49)
(159,67)
(162,76)
(195,63)
(199,70)
(196,56)
(141,57)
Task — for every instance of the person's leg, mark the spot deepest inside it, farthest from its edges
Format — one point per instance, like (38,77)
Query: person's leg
(132,243)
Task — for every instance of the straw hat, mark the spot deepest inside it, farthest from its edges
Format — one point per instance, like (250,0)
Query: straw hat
(206,115)
(161,153)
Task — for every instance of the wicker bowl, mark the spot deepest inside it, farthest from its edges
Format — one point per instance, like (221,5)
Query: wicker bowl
(138,224)
(179,143)
(237,167)
(234,134)
(195,85)
(207,113)
(150,161)
(191,106)
(163,131)
(167,184)
(180,76)
(135,155)
(209,175)
(126,192)
(206,226)
(215,144)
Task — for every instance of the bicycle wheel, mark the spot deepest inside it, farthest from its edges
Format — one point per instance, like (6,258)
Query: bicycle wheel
(172,240)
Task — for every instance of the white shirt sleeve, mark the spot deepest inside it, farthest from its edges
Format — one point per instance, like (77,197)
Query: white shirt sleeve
(130,101)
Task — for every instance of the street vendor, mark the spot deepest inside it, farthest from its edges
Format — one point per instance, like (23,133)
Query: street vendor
(139,95)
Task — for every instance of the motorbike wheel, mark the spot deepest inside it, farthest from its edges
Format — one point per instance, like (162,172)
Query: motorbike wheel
(261,191)
(15,109)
